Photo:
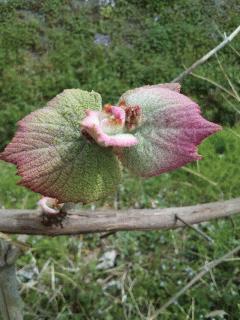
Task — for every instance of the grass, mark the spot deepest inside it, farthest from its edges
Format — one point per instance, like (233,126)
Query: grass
(150,268)
(12,195)
(64,282)
(46,46)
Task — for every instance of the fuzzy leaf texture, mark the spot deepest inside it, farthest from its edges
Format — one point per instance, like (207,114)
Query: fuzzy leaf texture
(170,130)
(69,150)
(55,159)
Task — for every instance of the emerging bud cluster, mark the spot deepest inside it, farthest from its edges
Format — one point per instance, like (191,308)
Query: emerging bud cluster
(153,129)
(108,127)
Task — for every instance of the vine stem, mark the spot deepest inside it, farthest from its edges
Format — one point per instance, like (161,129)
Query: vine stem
(102,220)
(10,301)
(208,55)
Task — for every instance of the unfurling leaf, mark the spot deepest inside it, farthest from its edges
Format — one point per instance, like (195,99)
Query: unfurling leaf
(170,130)
(69,150)
(55,159)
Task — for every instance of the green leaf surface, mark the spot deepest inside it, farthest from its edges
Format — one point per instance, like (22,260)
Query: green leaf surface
(55,159)
(169,133)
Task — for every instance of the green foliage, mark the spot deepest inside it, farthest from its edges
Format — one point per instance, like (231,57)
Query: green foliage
(151,266)
(213,178)
(55,159)
(47,46)
(11,194)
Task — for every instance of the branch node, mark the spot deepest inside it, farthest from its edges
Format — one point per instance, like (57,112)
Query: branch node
(200,232)
(54,220)
(87,221)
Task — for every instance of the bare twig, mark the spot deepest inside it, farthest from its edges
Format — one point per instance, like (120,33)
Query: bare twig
(228,80)
(87,221)
(205,269)
(215,84)
(107,234)
(198,174)
(200,232)
(208,55)
(231,104)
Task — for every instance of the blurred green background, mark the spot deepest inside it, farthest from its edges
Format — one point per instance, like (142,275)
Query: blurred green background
(111,46)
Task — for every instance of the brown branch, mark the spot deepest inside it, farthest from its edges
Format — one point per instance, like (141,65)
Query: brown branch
(87,221)
(10,301)
(208,55)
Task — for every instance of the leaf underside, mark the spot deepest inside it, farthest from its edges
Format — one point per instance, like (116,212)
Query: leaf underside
(55,159)
(171,129)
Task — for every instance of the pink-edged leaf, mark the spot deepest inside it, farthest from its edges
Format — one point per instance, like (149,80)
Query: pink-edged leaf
(171,86)
(169,133)
(55,159)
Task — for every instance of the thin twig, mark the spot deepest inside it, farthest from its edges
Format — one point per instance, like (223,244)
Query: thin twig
(205,269)
(214,83)
(234,50)
(230,104)
(228,79)
(208,55)
(107,234)
(198,174)
(202,234)
(223,35)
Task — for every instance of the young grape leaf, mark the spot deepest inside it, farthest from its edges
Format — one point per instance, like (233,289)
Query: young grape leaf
(55,159)
(170,130)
